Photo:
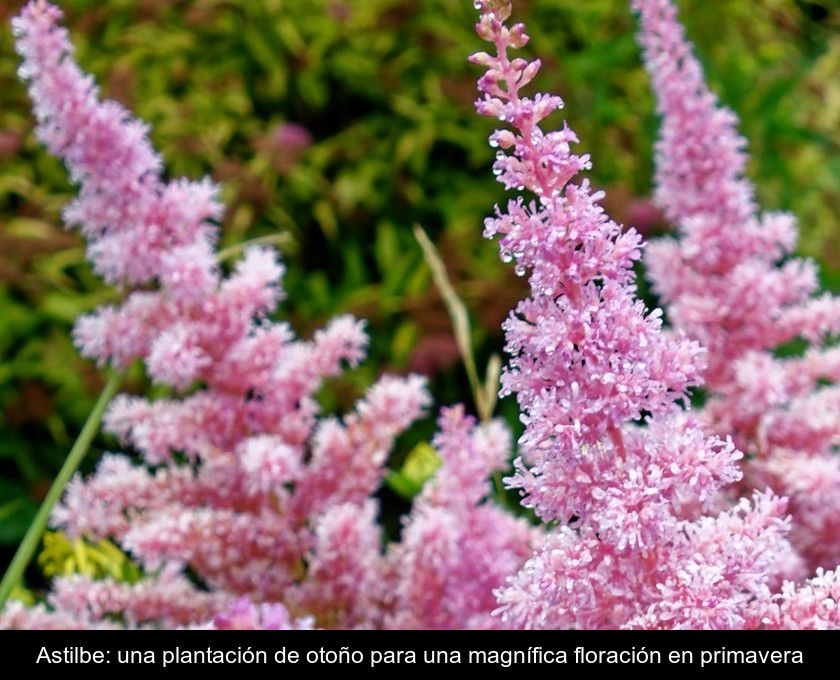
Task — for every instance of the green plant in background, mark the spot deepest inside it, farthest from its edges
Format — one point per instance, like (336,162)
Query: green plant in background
(419,467)
(62,556)
(338,124)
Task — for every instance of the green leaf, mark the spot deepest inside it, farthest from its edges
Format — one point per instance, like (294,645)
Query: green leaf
(420,465)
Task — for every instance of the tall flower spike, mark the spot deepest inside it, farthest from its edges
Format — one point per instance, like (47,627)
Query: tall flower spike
(586,361)
(258,503)
(457,546)
(273,511)
(731,282)
(132,219)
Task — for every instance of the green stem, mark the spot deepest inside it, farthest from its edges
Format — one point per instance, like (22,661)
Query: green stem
(236,250)
(30,542)
(460,321)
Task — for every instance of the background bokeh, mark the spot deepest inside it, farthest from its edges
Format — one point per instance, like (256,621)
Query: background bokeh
(341,123)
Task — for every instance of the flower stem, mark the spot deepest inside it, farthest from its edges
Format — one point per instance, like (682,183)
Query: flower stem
(30,542)
(279,239)
(485,394)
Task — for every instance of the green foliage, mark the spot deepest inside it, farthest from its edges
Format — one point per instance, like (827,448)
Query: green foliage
(62,556)
(23,595)
(419,466)
(385,91)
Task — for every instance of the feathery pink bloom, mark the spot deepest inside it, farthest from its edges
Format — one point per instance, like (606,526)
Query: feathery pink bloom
(132,219)
(457,546)
(635,545)
(167,599)
(814,605)
(731,283)
(242,614)
(268,505)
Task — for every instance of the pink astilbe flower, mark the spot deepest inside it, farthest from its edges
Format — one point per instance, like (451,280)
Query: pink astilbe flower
(167,599)
(457,546)
(242,614)
(259,519)
(730,282)
(638,543)
(18,616)
(346,570)
(815,605)
(268,507)
(251,491)
(132,219)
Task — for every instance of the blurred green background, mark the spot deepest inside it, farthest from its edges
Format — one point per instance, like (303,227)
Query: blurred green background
(340,123)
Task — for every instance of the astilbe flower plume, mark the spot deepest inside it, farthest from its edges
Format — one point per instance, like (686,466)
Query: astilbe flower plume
(730,281)
(611,453)
(248,510)
(456,547)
